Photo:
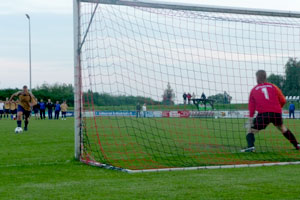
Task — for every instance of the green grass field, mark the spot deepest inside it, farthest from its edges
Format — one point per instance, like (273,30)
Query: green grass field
(39,164)
(146,143)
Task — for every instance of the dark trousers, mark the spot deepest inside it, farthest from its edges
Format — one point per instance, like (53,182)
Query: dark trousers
(49,114)
(63,114)
(138,114)
(292,112)
(42,114)
(56,116)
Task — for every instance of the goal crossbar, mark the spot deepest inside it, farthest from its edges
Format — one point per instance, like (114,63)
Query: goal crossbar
(197,7)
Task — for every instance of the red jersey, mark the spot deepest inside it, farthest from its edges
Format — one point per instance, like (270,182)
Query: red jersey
(266,97)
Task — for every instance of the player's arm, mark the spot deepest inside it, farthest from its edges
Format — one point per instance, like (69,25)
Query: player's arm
(251,108)
(280,96)
(251,105)
(14,95)
(33,101)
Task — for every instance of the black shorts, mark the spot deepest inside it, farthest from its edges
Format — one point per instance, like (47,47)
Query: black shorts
(262,120)
(7,111)
(1,112)
(25,112)
(13,111)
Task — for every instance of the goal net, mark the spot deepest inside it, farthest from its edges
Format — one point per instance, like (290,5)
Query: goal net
(166,86)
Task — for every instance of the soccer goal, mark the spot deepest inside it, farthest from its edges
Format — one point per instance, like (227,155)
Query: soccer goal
(165,86)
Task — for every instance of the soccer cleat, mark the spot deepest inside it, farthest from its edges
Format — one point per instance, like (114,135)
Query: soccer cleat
(298,147)
(25,129)
(249,149)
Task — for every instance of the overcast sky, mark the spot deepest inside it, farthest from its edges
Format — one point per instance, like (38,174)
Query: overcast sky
(52,37)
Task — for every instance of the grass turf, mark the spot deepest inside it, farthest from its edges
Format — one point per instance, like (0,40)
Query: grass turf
(39,164)
(145,143)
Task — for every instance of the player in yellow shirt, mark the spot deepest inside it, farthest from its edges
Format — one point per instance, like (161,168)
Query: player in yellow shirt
(64,108)
(13,109)
(6,108)
(26,101)
(1,109)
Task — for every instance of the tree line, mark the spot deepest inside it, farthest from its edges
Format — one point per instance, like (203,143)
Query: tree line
(55,92)
(289,83)
(61,92)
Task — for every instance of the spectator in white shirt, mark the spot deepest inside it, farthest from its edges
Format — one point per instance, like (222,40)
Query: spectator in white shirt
(1,109)
(144,109)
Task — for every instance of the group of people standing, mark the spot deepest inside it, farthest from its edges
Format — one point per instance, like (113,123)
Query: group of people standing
(40,109)
(187,97)
(139,108)
(8,109)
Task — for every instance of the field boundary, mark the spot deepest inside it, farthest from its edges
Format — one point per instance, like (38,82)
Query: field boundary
(105,166)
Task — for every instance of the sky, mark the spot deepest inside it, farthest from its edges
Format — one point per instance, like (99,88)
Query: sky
(52,37)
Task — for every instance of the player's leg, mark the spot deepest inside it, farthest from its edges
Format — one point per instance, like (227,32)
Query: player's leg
(19,118)
(278,122)
(259,123)
(49,114)
(293,114)
(27,116)
(250,138)
(7,114)
(288,135)
(20,115)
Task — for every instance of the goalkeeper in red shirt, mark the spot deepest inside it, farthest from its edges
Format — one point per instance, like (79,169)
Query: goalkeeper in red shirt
(267,100)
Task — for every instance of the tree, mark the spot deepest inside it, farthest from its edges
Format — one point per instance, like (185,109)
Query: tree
(292,78)
(55,92)
(278,80)
(168,96)
(221,98)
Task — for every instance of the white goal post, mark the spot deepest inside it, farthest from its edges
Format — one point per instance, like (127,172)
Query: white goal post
(80,38)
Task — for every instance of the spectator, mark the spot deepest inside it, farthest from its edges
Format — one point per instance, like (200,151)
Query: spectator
(6,108)
(13,110)
(189,96)
(203,96)
(1,109)
(42,109)
(292,110)
(57,110)
(64,108)
(49,106)
(138,110)
(193,96)
(184,98)
(36,109)
(144,109)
